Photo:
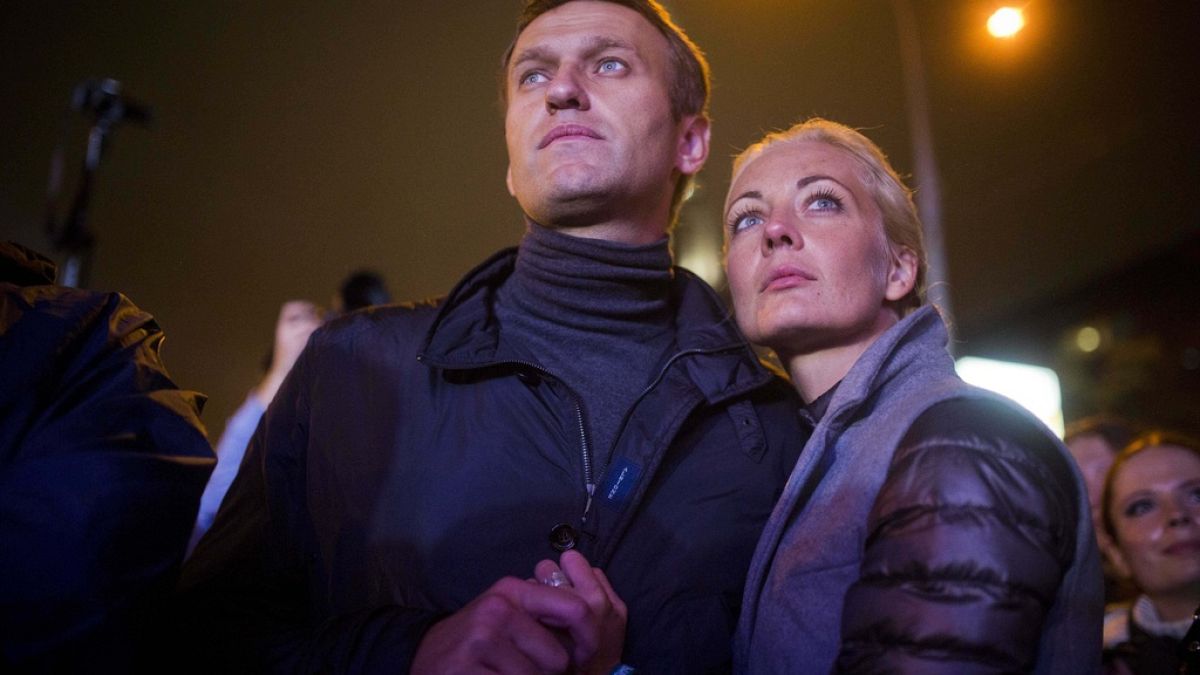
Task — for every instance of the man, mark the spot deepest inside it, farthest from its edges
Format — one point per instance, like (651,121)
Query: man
(577,393)
(102,462)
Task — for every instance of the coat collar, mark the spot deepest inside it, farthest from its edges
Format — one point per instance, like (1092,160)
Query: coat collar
(466,335)
(919,340)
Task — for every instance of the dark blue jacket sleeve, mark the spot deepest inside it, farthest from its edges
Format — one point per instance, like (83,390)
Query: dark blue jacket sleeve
(102,462)
(248,599)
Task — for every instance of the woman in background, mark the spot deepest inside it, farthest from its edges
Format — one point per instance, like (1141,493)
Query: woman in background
(1152,515)
(928,526)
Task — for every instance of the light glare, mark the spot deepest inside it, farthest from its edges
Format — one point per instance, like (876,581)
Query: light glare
(1033,387)
(1087,339)
(1006,22)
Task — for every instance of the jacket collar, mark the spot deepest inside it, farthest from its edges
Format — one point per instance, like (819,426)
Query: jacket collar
(466,335)
(917,340)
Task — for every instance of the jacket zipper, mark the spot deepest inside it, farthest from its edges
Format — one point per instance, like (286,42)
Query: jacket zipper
(655,382)
(584,446)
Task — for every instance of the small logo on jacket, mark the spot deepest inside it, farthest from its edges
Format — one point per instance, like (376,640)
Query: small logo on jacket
(622,477)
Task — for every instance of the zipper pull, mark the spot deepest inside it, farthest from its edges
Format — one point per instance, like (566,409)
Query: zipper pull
(587,508)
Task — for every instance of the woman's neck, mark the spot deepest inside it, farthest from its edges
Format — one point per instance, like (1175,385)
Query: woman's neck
(814,373)
(816,369)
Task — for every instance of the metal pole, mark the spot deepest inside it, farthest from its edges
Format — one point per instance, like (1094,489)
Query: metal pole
(102,100)
(925,172)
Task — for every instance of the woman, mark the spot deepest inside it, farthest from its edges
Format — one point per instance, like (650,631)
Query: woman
(928,526)
(1152,514)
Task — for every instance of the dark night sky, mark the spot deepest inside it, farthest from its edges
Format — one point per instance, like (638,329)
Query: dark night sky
(296,141)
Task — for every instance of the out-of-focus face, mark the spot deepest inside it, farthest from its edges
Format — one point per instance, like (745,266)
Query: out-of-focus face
(589,126)
(808,263)
(1155,505)
(1093,455)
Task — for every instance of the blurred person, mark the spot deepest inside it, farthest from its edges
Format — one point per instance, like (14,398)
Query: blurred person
(1094,443)
(297,320)
(578,394)
(1152,514)
(361,288)
(929,526)
(102,462)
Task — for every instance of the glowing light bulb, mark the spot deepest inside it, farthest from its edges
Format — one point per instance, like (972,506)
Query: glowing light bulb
(1006,22)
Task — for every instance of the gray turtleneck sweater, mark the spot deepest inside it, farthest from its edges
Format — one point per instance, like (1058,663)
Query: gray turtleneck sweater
(596,314)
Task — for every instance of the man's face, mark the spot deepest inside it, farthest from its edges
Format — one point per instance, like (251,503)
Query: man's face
(591,138)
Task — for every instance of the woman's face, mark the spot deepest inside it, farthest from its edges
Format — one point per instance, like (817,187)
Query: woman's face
(1155,506)
(808,263)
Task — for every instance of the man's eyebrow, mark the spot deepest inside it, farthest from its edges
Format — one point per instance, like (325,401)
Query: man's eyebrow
(592,46)
(599,43)
(531,54)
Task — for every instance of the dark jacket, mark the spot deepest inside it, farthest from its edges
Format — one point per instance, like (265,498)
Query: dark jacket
(102,462)
(1145,653)
(410,460)
(929,527)
(1137,641)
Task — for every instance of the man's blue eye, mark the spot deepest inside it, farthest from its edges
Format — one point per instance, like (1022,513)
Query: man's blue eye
(611,66)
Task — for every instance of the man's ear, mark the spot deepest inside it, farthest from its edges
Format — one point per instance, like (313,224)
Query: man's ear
(693,145)
(902,273)
(508,181)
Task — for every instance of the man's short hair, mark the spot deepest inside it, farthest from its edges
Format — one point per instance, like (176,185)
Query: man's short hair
(688,90)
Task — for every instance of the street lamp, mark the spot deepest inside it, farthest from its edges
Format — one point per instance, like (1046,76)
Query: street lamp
(1006,22)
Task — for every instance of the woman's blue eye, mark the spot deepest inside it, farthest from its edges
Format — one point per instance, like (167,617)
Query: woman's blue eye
(1139,507)
(824,200)
(749,220)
